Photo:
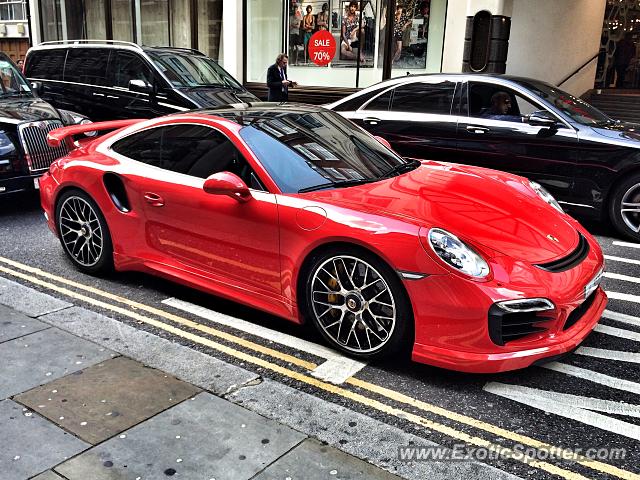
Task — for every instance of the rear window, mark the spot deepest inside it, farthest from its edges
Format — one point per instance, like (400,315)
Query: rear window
(46,64)
(87,65)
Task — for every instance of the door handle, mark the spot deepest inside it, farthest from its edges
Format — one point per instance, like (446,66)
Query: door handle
(153,199)
(112,96)
(477,129)
(371,120)
(97,94)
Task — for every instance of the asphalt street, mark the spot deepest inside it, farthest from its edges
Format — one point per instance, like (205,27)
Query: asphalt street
(590,399)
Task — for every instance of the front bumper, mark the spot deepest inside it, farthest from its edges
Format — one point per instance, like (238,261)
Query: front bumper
(23,183)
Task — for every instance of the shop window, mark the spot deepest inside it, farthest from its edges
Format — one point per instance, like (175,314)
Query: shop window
(210,27)
(12,10)
(154,16)
(122,20)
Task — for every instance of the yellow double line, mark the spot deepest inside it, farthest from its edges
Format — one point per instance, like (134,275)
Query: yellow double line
(36,276)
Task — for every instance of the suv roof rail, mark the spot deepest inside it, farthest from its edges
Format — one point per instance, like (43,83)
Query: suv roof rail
(194,50)
(88,41)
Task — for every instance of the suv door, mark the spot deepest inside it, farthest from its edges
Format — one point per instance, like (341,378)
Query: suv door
(415,117)
(85,78)
(127,66)
(504,141)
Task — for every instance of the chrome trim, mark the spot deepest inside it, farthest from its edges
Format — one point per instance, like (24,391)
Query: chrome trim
(520,305)
(575,204)
(411,275)
(84,42)
(33,138)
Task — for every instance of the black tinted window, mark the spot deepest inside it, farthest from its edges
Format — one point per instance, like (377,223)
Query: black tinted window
(129,66)
(46,64)
(355,103)
(381,102)
(190,149)
(86,65)
(421,97)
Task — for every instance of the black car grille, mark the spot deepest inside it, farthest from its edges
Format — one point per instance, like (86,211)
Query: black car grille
(571,260)
(579,312)
(33,136)
(508,326)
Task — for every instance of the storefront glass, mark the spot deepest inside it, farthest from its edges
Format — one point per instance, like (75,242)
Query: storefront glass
(180,26)
(263,36)
(122,20)
(210,27)
(95,21)
(50,20)
(154,17)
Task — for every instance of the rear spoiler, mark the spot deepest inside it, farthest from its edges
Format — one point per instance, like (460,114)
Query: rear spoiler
(59,135)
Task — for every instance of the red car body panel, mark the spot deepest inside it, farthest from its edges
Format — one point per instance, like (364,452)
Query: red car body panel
(253,252)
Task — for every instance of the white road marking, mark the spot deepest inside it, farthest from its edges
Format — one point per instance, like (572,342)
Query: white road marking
(627,297)
(626,244)
(337,369)
(629,357)
(596,377)
(618,276)
(622,317)
(574,407)
(618,332)
(622,259)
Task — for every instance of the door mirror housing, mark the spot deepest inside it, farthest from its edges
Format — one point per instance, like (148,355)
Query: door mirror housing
(140,86)
(227,183)
(37,88)
(541,119)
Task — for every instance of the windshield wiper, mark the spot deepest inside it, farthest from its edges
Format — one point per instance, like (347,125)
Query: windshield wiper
(339,183)
(401,168)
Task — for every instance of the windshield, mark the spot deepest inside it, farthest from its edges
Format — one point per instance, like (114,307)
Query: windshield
(13,83)
(309,151)
(578,110)
(185,69)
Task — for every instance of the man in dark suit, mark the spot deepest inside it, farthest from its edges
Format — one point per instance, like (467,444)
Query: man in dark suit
(277,80)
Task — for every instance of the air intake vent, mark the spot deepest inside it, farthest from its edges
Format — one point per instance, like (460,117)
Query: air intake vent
(579,312)
(516,319)
(571,260)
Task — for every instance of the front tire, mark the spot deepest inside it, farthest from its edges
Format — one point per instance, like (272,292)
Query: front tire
(84,233)
(625,208)
(358,304)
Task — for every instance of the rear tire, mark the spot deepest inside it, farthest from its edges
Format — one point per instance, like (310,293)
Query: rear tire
(625,208)
(84,233)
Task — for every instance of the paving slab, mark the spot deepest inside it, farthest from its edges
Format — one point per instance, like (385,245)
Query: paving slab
(29,444)
(48,475)
(187,364)
(27,300)
(41,357)
(14,324)
(313,460)
(107,398)
(203,438)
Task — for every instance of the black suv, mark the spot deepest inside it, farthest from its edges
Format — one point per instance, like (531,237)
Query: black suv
(25,121)
(108,80)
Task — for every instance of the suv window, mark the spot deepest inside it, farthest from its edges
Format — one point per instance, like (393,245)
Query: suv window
(190,149)
(498,103)
(129,66)
(87,65)
(46,64)
(420,97)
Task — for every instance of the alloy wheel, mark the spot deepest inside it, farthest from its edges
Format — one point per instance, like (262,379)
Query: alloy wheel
(353,304)
(630,208)
(80,231)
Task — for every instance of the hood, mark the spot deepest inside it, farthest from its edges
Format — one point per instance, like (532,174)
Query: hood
(25,109)
(494,210)
(217,96)
(620,131)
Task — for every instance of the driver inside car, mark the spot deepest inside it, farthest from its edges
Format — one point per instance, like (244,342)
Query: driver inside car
(502,108)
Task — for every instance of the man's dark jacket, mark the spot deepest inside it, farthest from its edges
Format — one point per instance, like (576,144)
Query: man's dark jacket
(274,83)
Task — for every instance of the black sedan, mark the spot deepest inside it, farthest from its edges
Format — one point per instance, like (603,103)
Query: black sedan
(588,161)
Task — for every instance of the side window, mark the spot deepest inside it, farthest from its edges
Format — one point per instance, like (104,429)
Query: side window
(420,97)
(129,66)
(381,102)
(498,103)
(46,64)
(87,65)
(193,150)
(355,103)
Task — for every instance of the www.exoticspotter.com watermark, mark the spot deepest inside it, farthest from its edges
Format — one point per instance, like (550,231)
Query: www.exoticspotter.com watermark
(462,452)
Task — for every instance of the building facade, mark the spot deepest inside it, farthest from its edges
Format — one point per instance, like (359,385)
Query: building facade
(14,28)
(556,41)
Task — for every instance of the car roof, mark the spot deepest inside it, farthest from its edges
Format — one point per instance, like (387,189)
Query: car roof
(247,113)
(113,44)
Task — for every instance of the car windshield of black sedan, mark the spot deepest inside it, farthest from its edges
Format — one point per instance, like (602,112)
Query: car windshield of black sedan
(12,82)
(317,150)
(578,110)
(191,70)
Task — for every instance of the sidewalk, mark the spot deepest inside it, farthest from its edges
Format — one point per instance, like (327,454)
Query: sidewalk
(73,409)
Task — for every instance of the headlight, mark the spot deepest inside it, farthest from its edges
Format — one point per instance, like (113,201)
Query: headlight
(92,133)
(72,118)
(457,254)
(546,196)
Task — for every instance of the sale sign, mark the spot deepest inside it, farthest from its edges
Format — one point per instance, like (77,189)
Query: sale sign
(322,47)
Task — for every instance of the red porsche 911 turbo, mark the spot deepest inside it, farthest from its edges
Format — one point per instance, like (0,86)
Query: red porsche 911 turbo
(296,211)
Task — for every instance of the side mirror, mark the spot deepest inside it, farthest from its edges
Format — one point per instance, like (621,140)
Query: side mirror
(383,141)
(37,88)
(140,86)
(540,119)
(227,183)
